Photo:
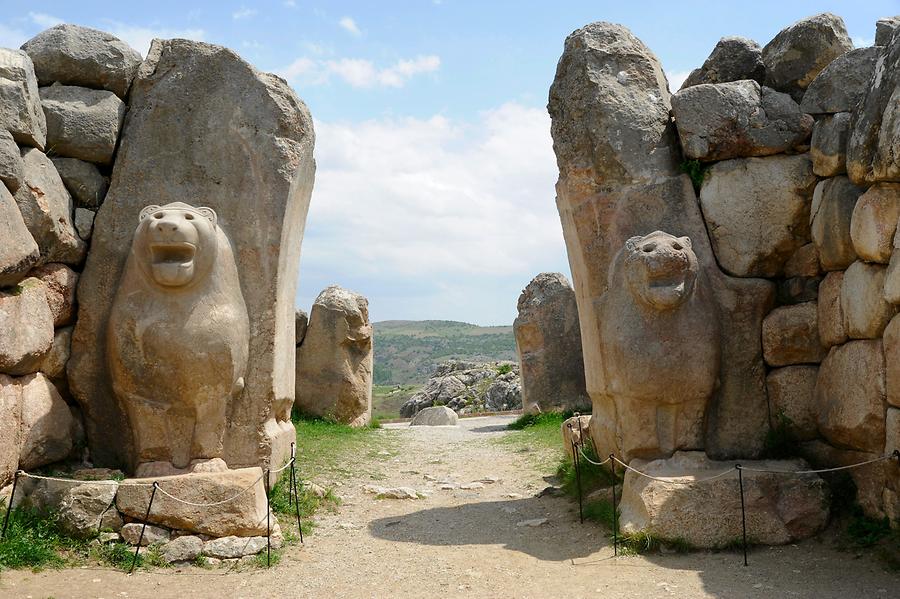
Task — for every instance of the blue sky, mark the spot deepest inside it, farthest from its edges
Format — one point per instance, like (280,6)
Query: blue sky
(434,195)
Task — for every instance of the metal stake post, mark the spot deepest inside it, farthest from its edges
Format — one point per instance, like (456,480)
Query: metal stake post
(143,528)
(9,507)
(577,464)
(743,510)
(268,523)
(612,464)
(296,503)
(291,489)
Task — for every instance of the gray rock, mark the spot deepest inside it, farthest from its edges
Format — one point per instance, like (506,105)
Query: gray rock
(61,282)
(233,547)
(799,52)
(10,416)
(83,180)
(757,211)
(828,148)
(841,85)
(804,262)
(182,549)
(46,208)
(732,120)
(866,312)
(12,171)
(465,387)
(83,506)
(84,222)
(20,103)
(76,55)
(153,535)
(435,416)
(874,222)
(792,398)
(831,317)
(733,59)
(301,322)
(46,423)
(884,29)
(111,520)
(82,123)
(54,364)
(18,252)
(830,216)
(790,335)
(503,395)
(245,149)
(26,327)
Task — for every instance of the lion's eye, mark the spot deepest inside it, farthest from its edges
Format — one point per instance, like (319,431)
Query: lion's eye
(649,247)
(189,216)
(158,215)
(676,246)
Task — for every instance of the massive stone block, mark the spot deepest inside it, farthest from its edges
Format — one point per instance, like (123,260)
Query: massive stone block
(20,104)
(842,84)
(46,434)
(891,344)
(60,281)
(26,327)
(831,317)
(790,335)
(618,179)
(828,147)
(18,252)
(246,152)
(830,216)
(10,427)
(82,123)
(734,58)
(874,222)
(334,363)
(83,180)
(12,170)
(865,310)
(548,341)
(792,395)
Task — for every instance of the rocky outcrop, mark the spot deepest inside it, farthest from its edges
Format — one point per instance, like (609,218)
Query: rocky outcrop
(548,341)
(469,387)
(733,59)
(335,360)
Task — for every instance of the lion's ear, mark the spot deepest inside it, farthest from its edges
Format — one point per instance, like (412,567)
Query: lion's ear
(632,243)
(209,213)
(685,241)
(147,211)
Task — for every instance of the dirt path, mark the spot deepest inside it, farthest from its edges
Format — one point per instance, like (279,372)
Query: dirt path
(469,543)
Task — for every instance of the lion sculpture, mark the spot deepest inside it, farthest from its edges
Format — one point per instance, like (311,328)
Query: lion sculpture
(178,339)
(660,345)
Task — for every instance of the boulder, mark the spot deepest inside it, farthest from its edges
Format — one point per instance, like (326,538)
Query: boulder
(20,103)
(247,151)
(865,310)
(82,507)
(869,479)
(26,327)
(874,222)
(46,423)
(548,343)
(757,211)
(733,59)
(850,394)
(61,282)
(18,252)
(504,394)
(790,335)
(467,387)
(182,549)
(738,119)
(334,363)
(76,55)
(830,217)
(830,316)
(46,208)
(84,222)
(884,29)
(301,322)
(54,364)
(12,171)
(796,56)
(792,396)
(153,535)
(577,430)
(842,84)
(10,427)
(891,344)
(874,124)
(43,496)
(82,123)
(231,547)
(804,262)
(83,180)
(245,516)
(828,148)
(707,514)
(435,416)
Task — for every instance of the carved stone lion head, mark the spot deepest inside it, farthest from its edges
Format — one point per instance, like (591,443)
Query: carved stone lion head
(661,269)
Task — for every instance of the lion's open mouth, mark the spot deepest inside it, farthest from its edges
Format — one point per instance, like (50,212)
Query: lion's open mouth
(173,253)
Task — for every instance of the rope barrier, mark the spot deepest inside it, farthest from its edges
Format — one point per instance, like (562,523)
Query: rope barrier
(835,469)
(76,481)
(215,503)
(590,461)
(670,481)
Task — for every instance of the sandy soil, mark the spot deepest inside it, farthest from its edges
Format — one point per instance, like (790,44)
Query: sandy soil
(467,543)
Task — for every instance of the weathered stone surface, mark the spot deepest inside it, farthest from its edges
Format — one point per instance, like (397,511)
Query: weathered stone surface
(733,120)
(577,430)
(757,212)
(792,396)
(153,535)
(875,124)
(83,180)
(831,317)
(46,208)
(850,393)
(233,547)
(247,150)
(804,262)
(891,344)
(733,58)
(245,516)
(82,507)
(26,327)
(84,222)
(884,28)
(12,171)
(301,323)
(842,84)
(435,416)
(828,148)
(20,103)
(874,222)
(796,56)
(865,310)
(548,343)
(54,364)
(610,87)
(780,508)
(61,282)
(76,55)
(334,363)
(10,426)
(467,387)
(173,374)
(46,423)
(830,217)
(869,479)
(182,549)
(790,335)
(18,252)
(82,123)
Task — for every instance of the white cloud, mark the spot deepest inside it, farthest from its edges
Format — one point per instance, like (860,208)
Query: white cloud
(11,37)
(289,3)
(863,42)
(243,13)
(676,78)
(139,38)
(298,68)
(44,20)
(349,25)
(359,72)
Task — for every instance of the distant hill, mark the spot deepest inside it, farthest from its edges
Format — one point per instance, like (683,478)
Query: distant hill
(406,351)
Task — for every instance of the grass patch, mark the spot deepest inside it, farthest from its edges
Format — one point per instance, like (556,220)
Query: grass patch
(32,541)
(329,448)
(387,400)
(538,437)
(780,443)
(504,368)
(696,170)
